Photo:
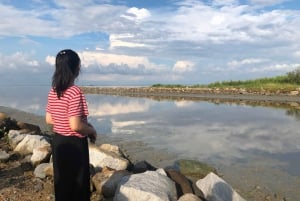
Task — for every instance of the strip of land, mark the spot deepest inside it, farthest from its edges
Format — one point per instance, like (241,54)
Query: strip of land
(201,94)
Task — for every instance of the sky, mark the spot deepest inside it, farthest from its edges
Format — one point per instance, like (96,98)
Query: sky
(146,42)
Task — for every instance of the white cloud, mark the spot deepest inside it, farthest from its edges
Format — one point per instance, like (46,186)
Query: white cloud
(184,103)
(213,34)
(224,2)
(137,15)
(90,58)
(103,109)
(117,40)
(18,62)
(266,2)
(251,61)
(50,60)
(183,66)
(96,58)
(297,54)
(276,67)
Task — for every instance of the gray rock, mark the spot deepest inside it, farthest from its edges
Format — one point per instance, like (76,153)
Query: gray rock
(29,128)
(216,189)
(41,154)
(30,142)
(183,185)
(149,185)
(15,137)
(103,158)
(26,164)
(43,170)
(100,178)
(142,166)
(111,148)
(4,156)
(110,186)
(189,197)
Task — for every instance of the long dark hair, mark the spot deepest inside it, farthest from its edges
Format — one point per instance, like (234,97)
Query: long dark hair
(67,67)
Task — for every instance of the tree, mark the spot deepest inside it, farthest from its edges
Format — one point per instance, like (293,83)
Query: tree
(294,76)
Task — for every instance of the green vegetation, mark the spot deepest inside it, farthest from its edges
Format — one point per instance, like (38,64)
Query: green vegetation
(169,85)
(290,81)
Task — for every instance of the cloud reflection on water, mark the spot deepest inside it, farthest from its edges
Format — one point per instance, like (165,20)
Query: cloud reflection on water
(195,129)
(201,130)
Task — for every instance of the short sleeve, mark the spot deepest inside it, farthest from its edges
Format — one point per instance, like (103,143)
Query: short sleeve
(49,105)
(77,104)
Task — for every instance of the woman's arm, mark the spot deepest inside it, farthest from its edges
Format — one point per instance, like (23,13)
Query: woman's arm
(77,125)
(49,118)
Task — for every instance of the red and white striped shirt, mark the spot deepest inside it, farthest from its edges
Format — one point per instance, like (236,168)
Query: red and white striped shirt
(72,103)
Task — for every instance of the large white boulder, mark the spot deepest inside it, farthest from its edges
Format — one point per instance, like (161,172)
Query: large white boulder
(102,158)
(15,137)
(146,186)
(40,154)
(216,189)
(31,142)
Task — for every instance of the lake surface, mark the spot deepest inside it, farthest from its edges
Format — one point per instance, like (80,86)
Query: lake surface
(250,145)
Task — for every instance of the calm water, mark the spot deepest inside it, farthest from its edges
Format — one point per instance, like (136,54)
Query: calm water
(259,142)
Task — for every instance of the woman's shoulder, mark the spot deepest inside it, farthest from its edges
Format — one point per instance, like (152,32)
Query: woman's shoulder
(74,89)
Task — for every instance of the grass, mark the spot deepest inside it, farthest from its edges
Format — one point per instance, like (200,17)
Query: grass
(275,83)
(288,82)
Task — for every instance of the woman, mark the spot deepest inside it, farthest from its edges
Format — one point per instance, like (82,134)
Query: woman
(67,112)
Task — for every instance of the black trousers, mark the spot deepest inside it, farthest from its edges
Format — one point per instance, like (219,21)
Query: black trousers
(71,168)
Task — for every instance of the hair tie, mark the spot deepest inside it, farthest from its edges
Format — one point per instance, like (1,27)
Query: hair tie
(62,52)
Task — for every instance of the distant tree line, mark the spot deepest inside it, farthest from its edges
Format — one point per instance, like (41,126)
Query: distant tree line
(291,78)
(294,76)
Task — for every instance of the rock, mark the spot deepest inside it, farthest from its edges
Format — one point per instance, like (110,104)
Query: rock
(110,186)
(183,185)
(111,148)
(15,137)
(142,166)
(26,164)
(149,185)
(103,158)
(194,168)
(40,155)
(31,142)
(294,93)
(4,156)
(100,178)
(3,116)
(29,128)
(189,197)
(161,171)
(216,189)
(7,124)
(43,170)
(38,185)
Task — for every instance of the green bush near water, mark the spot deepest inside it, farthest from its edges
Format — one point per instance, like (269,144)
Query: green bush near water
(290,81)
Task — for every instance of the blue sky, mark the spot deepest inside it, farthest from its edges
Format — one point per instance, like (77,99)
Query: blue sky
(147,42)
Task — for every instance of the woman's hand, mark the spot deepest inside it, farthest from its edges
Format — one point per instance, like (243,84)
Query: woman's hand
(77,125)
(93,135)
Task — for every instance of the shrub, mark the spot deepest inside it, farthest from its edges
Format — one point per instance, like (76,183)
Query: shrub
(294,76)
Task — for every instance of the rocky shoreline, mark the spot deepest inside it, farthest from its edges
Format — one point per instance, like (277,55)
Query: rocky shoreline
(26,167)
(206,94)
(20,183)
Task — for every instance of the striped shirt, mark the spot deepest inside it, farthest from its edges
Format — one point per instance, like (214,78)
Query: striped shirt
(72,103)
